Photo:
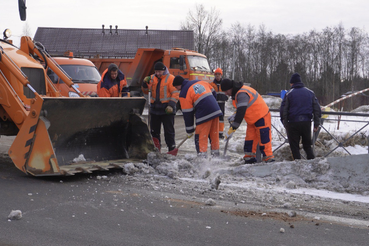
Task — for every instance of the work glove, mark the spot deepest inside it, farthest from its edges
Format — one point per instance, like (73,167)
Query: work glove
(229,134)
(147,79)
(189,135)
(231,118)
(169,110)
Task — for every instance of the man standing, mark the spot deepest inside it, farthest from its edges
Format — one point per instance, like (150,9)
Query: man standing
(163,100)
(298,108)
(198,99)
(221,98)
(251,107)
(113,83)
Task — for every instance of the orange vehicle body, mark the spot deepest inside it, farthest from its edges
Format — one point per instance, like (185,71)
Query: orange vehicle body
(57,135)
(186,63)
(83,72)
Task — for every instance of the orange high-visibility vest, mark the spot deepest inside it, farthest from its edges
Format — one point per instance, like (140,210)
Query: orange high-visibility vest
(107,89)
(256,106)
(167,91)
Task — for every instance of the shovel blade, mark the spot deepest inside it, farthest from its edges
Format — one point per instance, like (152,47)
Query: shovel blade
(173,152)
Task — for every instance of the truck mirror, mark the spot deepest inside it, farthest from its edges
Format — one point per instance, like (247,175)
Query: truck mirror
(181,62)
(22,9)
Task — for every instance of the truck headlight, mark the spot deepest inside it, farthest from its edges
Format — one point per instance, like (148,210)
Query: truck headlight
(73,94)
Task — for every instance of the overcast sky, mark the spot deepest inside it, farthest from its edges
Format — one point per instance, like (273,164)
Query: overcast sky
(278,16)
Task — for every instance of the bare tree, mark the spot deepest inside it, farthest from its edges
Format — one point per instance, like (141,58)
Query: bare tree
(206,26)
(222,53)
(26,30)
(330,62)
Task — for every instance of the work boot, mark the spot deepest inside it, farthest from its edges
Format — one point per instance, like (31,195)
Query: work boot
(221,136)
(215,153)
(269,159)
(156,143)
(250,160)
(171,148)
(202,155)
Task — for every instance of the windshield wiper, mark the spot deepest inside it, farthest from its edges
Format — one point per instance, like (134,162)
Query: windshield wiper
(89,81)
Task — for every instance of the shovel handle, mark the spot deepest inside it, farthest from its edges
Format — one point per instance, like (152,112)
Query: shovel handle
(184,140)
(226,147)
(175,151)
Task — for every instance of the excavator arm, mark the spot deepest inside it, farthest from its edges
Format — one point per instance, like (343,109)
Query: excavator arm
(38,50)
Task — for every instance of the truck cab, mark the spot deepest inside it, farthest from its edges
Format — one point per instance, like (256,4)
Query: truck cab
(83,72)
(188,64)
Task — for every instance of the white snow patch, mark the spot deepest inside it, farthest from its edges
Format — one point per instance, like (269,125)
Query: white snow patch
(80,158)
(15,215)
(280,182)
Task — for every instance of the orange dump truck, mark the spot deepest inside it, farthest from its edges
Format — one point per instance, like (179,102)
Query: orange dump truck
(187,63)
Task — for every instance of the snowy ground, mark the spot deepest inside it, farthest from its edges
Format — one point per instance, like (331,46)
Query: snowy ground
(324,186)
(302,186)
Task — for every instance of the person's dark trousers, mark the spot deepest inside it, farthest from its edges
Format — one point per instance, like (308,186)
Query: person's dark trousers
(222,108)
(168,123)
(297,130)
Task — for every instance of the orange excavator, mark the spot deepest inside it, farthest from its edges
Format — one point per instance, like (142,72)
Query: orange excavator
(58,135)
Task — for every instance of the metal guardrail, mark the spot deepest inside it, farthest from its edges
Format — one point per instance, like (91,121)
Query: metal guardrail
(340,144)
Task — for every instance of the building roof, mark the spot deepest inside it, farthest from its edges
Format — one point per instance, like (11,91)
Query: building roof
(110,43)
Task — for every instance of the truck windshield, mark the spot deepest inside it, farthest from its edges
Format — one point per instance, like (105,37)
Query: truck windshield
(82,74)
(199,63)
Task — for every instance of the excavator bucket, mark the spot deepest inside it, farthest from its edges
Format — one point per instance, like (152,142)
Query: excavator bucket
(64,136)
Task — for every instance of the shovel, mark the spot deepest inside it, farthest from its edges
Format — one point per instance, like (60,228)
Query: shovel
(230,120)
(226,147)
(148,111)
(226,144)
(175,150)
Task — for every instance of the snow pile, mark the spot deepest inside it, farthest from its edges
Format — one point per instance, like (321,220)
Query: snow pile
(285,183)
(300,172)
(361,109)
(319,173)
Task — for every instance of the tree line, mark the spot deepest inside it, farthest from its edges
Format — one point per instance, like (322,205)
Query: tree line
(331,62)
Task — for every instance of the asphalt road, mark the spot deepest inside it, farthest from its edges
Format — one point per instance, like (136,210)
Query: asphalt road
(126,210)
(115,209)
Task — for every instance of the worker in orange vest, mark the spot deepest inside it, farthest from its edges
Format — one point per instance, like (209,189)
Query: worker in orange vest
(221,98)
(198,99)
(257,117)
(112,83)
(164,98)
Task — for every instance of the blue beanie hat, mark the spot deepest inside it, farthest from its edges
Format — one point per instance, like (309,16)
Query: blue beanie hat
(295,78)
